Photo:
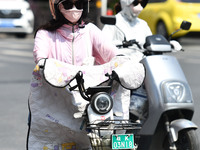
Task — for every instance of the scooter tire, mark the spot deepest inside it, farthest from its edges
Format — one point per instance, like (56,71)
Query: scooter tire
(187,140)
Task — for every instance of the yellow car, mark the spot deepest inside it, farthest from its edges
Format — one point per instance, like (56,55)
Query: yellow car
(165,16)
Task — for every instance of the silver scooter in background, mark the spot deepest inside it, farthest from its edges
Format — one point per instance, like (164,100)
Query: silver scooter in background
(170,106)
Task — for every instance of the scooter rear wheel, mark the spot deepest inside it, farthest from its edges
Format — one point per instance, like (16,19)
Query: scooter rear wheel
(187,140)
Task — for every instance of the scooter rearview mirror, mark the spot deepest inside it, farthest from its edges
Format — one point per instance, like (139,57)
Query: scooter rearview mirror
(110,20)
(185,25)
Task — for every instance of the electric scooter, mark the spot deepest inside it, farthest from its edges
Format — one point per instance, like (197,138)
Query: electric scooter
(161,120)
(168,104)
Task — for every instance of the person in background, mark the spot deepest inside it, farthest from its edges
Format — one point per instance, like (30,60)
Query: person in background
(129,25)
(127,22)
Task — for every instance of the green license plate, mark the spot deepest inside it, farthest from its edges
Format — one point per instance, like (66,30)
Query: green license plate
(123,141)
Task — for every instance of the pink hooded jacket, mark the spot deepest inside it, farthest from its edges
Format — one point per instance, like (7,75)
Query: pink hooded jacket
(73,45)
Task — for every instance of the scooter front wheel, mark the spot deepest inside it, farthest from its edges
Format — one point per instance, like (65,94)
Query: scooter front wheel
(187,140)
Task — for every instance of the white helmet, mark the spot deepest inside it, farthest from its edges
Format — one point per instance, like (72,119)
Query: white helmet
(125,3)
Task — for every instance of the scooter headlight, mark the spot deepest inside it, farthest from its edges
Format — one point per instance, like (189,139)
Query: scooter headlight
(176,92)
(102,103)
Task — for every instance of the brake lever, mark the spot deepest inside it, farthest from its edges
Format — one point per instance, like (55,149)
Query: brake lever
(126,44)
(80,85)
(135,42)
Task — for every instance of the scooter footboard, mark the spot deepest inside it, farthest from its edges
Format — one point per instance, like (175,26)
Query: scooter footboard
(178,125)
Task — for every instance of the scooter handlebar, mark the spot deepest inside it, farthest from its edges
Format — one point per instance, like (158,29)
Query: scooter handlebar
(126,44)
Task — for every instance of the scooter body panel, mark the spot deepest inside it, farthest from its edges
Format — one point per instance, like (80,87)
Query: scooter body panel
(161,69)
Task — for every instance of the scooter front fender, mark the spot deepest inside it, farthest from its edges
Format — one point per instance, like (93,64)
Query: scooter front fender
(178,125)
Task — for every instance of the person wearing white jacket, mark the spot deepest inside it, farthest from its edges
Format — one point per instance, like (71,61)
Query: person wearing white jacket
(130,26)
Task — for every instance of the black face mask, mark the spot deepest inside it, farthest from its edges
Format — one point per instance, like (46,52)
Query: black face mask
(68,4)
